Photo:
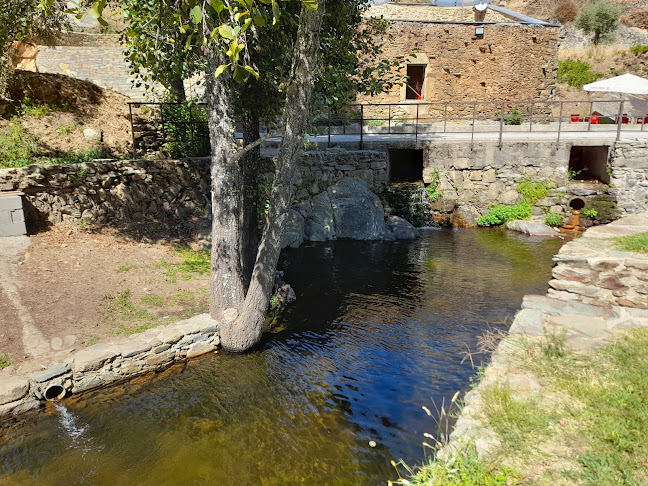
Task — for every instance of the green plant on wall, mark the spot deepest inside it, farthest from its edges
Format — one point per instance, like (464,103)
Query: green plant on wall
(589,213)
(532,192)
(576,73)
(431,188)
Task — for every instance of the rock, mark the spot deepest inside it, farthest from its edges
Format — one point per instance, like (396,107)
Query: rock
(532,228)
(133,348)
(170,336)
(510,197)
(200,348)
(12,388)
(160,359)
(293,234)
(357,212)
(51,372)
(93,135)
(94,357)
(401,228)
(465,216)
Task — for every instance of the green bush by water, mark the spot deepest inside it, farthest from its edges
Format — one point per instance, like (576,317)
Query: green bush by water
(501,213)
(552,219)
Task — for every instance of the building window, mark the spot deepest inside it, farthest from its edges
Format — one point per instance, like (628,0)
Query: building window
(415,81)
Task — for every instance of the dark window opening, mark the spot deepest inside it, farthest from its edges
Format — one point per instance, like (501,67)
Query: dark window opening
(415,80)
(589,164)
(405,165)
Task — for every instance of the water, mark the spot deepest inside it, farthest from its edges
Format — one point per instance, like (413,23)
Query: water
(379,331)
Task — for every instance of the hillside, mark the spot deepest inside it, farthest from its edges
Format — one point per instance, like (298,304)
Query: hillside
(50,113)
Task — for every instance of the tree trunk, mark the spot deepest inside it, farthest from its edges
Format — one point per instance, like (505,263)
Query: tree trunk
(226,281)
(177,90)
(246,330)
(249,243)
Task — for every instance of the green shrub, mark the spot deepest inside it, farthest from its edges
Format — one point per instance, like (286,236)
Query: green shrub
(553,219)
(599,18)
(576,73)
(589,213)
(35,108)
(500,214)
(514,118)
(431,188)
(78,157)
(5,361)
(639,49)
(187,131)
(17,147)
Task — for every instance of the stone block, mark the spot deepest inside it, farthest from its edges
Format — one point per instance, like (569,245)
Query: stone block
(12,388)
(170,335)
(134,348)
(51,372)
(160,359)
(200,348)
(94,357)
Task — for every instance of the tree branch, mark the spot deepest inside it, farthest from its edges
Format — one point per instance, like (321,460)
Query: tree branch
(253,145)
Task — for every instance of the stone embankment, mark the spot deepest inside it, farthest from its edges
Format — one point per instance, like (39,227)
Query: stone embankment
(25,386)
(597,292)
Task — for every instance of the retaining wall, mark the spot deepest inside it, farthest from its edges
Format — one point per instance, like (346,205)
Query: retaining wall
(23,387)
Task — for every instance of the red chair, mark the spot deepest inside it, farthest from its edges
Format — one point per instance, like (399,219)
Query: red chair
(576,118)
(596,117)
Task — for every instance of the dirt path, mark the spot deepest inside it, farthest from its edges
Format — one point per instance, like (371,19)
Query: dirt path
(69,286)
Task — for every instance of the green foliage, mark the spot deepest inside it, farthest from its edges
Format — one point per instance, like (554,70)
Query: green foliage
(186,129)
(462,470)
(35,108)
(638,243)
(532,192)
(553,219)
(501,213)
(18,148)
(576,73)
(639,49)
(84,156)
(573,174)
(514,118)
(275,303)
(599,18)
(589,213)
(194,263)
(431,188)
(5,361)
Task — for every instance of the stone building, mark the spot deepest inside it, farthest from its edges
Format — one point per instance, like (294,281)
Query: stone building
(464,54)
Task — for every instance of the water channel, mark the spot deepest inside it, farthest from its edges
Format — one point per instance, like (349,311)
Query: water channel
(378,331)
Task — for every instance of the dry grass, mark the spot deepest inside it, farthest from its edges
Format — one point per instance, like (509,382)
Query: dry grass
(591,52)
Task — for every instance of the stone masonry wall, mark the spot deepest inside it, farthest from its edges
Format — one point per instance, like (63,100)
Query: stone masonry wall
(107,191)
(23,387)
(629,163)
(509,62)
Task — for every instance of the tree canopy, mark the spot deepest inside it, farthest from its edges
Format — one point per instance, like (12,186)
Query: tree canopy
(599,18)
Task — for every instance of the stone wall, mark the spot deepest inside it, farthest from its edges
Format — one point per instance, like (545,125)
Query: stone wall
(509,62)
(107,191)
(23,387)
(593,273)
(469,181)
(112,190)
(629,163)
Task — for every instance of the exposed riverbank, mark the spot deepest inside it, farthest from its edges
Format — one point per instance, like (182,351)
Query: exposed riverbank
(564,398)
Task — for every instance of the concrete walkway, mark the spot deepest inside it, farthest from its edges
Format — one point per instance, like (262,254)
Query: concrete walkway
(12,249)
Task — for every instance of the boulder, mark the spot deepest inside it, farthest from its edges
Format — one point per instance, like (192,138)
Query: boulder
(532,228)
(293,234)
(401,228)
(357,212)
(93,135)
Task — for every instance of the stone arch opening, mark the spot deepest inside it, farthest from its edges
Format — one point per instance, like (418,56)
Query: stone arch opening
(589,163)
(405,165)
(577,203)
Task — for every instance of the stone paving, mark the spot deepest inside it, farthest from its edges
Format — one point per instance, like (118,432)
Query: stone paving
(597,293)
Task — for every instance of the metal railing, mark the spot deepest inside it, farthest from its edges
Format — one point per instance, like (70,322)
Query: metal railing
(157,126)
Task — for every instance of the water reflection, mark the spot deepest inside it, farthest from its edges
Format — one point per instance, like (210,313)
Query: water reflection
(379,329)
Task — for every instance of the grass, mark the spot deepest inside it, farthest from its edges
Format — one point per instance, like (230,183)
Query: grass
(5,361)
(638,243)
(576,73)
(194,263)
(17,147)
(598,418)
(463,470)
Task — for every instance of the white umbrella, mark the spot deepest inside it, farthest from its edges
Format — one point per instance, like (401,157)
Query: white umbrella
(626,83)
